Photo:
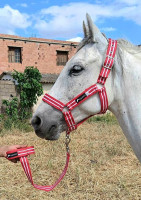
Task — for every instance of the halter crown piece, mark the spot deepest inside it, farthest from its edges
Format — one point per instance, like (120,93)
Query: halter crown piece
(87,93)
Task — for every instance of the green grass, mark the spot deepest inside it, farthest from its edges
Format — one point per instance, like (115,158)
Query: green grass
(102,166)
(7,123)
(107,118)
(25,126)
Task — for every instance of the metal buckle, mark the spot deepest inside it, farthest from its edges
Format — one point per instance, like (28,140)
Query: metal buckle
(110,57)
(73,125)
(107,67)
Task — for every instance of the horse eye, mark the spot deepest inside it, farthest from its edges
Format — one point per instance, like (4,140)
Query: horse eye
(76,70)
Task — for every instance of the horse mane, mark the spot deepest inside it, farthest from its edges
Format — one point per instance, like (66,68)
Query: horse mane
(128,46)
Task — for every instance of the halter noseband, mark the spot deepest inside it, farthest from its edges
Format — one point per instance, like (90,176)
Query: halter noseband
(106,68)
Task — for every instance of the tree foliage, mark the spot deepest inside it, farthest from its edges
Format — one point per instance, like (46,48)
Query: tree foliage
(29,89)
(11,109)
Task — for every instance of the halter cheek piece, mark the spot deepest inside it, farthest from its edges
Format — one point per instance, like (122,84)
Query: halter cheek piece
(24,152)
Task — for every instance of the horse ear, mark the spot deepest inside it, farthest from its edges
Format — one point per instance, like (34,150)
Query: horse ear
(94,32)
(86,35)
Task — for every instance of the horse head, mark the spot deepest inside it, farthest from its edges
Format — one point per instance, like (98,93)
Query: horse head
(80,72)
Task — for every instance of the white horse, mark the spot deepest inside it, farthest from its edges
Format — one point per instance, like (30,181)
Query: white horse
(122,86)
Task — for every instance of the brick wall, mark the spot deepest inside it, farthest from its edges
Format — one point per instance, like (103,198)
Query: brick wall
(7,88)
(37,52)
(40,53)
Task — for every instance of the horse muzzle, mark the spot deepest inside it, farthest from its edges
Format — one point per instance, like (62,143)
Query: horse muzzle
(49,125)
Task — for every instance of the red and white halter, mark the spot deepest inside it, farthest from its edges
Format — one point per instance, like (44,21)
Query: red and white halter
(106,68)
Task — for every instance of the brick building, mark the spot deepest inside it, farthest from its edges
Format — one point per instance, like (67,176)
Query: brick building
(49,56)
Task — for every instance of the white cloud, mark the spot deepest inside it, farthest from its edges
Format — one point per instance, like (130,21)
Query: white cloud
(77,39)
(129,2)
(24,5)
(108,29)
(11,19)
(66,21)
(132,13)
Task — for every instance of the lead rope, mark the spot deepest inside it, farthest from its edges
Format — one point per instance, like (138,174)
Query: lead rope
(22,155)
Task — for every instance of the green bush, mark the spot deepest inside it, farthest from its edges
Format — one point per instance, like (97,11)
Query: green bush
(6,125)
(18,111)
(29,88)
(11,108)
(10,119)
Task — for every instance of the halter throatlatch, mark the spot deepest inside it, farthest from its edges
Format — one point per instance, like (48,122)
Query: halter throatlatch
(106,68)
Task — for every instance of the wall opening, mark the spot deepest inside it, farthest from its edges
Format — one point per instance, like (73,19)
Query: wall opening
(14,55)
(62,57)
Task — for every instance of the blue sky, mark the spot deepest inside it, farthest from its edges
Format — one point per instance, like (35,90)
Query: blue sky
(62,19)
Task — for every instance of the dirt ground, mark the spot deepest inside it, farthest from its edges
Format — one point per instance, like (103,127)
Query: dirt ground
(102,166)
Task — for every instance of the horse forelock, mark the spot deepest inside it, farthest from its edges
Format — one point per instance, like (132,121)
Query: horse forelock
(88,40)
(85,41)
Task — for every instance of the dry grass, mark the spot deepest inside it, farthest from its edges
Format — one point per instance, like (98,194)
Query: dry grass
(102,166)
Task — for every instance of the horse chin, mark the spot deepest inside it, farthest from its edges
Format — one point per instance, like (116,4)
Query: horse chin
(53,137)
(52,134)
(49,125)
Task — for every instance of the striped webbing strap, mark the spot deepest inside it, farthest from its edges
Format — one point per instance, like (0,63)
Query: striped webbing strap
(22,155)
(106,68)
(109,61)
(17,153)
(60,106)
(75,102)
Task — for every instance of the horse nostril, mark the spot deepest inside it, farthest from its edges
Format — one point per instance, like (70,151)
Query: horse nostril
(36,122)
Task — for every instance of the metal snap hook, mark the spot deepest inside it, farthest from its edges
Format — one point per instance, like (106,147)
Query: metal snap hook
(68,139)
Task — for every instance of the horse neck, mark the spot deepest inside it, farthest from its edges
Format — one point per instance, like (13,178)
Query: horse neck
(127,97)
